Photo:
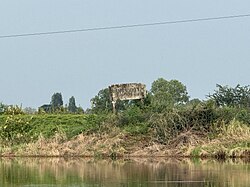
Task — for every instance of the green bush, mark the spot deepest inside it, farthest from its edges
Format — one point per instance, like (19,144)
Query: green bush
(137,129)
(226,114)
(168,124)
(13,110)
(15,130)
(18,129)
(244,116)
(132,115)
(200,117)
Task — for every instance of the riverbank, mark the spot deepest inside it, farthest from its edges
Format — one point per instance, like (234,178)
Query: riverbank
(201,130)
(232,141)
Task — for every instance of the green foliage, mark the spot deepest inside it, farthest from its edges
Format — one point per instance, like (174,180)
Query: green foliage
(243,116)
(167,94)
(232,97)
(13,110)
(165,113)
(200,117)
(15,130)
(137,129)
(193,103)
(72,105)
(102,103)
(45,109)
(56,101)
(79,110)
(18,129)
(168,124)
(132,115)
(228,114)
(196,152)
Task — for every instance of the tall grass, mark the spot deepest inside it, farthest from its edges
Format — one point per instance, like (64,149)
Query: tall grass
(16,129)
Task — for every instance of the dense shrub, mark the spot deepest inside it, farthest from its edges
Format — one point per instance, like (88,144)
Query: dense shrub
(18,129)
(137,129)
(168,124)
(13,110)
(15,130)
(244,116)
(132,115)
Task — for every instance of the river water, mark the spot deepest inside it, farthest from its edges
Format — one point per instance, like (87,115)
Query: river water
(84,172)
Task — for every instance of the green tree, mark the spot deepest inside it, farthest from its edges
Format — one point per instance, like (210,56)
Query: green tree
(72,105)
(101,102)
(167,94)
(232,97)
(56,101)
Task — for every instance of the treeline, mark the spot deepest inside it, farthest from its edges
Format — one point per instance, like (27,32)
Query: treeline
(168,110)
(163,95)
(55,107)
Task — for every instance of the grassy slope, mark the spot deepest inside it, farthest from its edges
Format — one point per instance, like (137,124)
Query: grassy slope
(92,135)
(49,125)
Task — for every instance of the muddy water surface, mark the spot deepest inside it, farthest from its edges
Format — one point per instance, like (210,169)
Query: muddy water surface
(55,172)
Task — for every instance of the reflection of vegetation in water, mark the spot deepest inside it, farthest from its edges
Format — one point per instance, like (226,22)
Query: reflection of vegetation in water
(145,172)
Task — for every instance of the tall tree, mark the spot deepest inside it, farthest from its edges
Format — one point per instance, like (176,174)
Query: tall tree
(56,101)
(232,97)
(72,105)
(101,102)
(168,93)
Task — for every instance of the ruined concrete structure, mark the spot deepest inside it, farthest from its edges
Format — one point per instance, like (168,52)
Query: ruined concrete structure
(130,91)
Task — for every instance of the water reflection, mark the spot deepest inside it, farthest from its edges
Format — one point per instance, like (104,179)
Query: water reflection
(54,172)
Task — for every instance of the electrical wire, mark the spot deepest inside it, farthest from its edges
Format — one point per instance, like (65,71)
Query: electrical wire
(125,26)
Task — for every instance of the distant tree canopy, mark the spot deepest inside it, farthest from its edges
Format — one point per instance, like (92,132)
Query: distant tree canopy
(72,105)
(164,94)
(45,108)
(168,93)
(56,101)
(101,102)
(231,97)
(56,106)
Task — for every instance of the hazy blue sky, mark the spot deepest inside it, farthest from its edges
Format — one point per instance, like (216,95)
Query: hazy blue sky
(80,64)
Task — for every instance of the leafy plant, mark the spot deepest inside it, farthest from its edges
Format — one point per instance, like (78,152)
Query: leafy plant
(232,97)
(13,110)
(167,94)
(132,115)
(72,105)
(15,130)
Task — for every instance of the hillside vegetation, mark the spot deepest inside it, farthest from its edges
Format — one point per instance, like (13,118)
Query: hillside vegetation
(167,123)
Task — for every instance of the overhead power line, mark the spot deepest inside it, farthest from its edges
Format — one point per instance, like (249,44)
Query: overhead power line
(125,26)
